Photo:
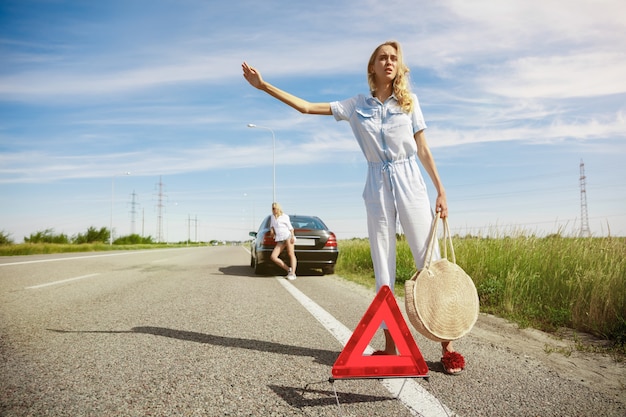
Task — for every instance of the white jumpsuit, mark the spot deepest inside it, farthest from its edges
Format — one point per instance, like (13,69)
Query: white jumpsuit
(394,189)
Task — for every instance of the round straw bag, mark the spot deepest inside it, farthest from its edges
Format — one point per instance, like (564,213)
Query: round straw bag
(441,299)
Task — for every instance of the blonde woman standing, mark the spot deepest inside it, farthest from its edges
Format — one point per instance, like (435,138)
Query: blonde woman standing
(389,127)
(283,234)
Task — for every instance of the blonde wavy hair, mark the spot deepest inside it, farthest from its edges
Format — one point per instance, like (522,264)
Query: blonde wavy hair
(279,210)
(400,84)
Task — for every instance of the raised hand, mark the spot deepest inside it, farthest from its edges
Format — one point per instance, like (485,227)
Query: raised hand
(254,78)
(252,75)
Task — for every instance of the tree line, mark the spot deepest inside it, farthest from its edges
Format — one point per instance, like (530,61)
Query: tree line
(92,235)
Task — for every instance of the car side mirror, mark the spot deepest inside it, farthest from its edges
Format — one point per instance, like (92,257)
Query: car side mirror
(253,234)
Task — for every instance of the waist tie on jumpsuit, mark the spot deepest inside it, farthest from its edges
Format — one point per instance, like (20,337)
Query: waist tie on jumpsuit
(394,193)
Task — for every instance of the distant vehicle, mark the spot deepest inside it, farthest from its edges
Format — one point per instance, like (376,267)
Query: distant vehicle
(316,246)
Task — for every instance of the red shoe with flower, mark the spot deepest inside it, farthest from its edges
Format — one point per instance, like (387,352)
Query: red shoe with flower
(453,360)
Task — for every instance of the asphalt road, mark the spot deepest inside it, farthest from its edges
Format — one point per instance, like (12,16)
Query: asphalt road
(193,332)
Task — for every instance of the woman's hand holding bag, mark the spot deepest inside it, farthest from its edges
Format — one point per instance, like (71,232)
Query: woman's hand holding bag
(441,299)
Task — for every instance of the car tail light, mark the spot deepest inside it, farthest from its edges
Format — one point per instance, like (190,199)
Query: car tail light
(332,241)
(268,240)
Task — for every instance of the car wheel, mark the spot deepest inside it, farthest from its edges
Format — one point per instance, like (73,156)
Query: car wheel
(251,261)
(258,268)
(328,270)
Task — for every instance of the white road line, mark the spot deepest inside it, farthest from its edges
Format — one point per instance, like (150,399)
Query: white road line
(130,252)
(417,399)
(60,282)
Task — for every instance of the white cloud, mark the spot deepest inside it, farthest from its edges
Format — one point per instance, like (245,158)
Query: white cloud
(540,24)
(580,75)
(42,166)
(613,127)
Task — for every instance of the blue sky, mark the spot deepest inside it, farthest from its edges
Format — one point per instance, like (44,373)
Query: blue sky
(515,94)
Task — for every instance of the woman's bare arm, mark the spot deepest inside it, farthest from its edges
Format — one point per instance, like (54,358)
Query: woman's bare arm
(428,162)
(253,76)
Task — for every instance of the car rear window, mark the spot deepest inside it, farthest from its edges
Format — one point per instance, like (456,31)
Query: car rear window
(301,222)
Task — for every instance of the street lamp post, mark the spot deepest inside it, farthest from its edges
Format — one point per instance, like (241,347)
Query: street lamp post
(252,125)
(112,199)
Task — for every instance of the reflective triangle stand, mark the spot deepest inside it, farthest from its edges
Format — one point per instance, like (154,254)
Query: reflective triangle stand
(352,364)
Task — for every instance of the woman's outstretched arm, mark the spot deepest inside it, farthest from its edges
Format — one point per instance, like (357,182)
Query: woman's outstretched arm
(253,76)
(427,160)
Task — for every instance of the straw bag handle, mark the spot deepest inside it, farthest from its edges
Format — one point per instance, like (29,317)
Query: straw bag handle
(433,240)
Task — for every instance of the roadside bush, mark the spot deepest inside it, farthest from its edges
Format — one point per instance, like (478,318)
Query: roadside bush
(133,239)
(5,238)
(93,235)
(47,236)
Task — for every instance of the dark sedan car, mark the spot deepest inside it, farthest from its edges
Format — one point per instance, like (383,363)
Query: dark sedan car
(316,246)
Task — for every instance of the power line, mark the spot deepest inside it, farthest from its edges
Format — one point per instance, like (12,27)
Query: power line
(584,216)
(133,212)
(160,213)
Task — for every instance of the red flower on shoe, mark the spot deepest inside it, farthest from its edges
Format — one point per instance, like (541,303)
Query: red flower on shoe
(453,360)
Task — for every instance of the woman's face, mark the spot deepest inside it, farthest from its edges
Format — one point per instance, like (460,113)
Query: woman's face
(385,66)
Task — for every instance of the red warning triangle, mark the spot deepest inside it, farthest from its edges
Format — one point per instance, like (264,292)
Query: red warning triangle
(409,362)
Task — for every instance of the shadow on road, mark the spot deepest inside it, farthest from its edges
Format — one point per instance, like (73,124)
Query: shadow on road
(324,357)
(305,397)
(246,271)
(237,270)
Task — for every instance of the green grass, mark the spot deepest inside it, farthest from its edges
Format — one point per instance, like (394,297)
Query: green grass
(545,283)
(46,248)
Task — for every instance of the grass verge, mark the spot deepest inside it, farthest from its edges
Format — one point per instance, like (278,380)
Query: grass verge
(47,248)
(545,283)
